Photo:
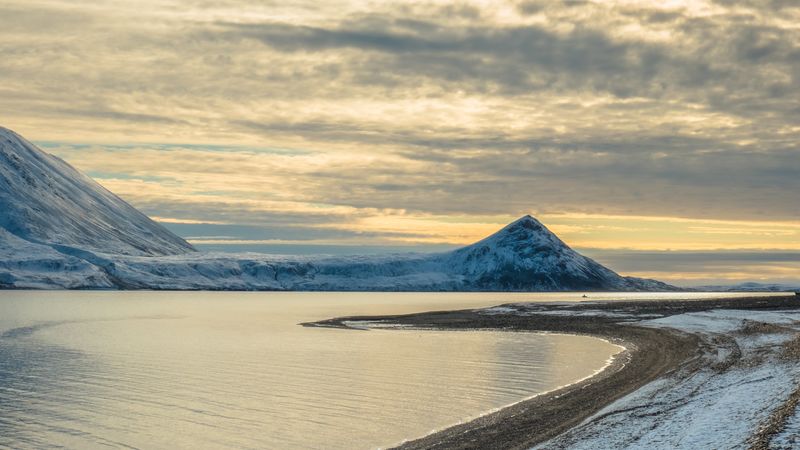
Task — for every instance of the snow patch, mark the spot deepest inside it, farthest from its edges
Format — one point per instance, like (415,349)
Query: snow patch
(718,404)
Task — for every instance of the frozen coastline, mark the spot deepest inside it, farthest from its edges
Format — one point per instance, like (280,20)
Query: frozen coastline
(716,373)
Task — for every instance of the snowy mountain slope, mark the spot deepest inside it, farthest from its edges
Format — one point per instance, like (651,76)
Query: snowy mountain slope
(44,200)
(524,256)
(60,229)
(25,265)
(210,271)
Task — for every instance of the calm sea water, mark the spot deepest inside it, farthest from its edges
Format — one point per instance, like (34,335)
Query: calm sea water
(234,370)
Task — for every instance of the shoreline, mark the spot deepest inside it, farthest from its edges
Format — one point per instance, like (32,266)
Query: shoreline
(652,353)
(616,361)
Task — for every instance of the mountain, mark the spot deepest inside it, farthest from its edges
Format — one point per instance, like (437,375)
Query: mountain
(526,256)
(523,256)
(752,286)
(60,229)
(45,200)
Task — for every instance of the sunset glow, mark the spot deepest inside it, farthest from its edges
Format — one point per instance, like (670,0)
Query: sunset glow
(621,125)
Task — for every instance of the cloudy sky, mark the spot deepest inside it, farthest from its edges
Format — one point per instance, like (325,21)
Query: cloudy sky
(661,137)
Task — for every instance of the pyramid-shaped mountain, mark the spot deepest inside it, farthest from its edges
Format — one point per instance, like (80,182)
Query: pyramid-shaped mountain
(525,255)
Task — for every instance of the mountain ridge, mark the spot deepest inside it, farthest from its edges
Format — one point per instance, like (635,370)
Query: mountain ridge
(61,229)
(45,200)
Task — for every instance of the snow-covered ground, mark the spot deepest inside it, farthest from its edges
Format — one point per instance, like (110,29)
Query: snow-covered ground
(27,265)
(719,401)
(789,438)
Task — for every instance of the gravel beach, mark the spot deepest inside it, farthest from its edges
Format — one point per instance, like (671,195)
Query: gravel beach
(654,351)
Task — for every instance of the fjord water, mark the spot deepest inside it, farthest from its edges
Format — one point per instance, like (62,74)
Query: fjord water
(235,370)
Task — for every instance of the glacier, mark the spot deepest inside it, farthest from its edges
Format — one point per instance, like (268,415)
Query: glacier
(59,229)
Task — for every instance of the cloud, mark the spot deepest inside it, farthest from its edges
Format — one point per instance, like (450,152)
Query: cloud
(499,60)
(331,114)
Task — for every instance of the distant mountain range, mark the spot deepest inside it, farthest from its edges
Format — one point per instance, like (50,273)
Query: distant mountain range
(60,229)
(752,286)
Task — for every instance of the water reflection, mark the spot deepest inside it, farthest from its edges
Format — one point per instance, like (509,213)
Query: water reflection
(233,370)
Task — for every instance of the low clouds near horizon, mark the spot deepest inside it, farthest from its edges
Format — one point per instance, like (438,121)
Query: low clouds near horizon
(423,122)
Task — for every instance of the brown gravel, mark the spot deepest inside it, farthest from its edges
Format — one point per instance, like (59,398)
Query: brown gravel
(791,349)
(753,327)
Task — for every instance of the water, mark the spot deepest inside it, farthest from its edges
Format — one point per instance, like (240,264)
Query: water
(234,370)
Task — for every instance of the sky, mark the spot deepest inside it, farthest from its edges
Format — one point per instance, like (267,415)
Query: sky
(660,137)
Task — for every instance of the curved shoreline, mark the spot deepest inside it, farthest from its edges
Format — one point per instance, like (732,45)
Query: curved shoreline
(616,361)
(652,353)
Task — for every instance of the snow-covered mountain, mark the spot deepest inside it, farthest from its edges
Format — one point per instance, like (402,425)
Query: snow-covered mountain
(526,256)
(523,256)
(45,200)
(752,286)
(60,229)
